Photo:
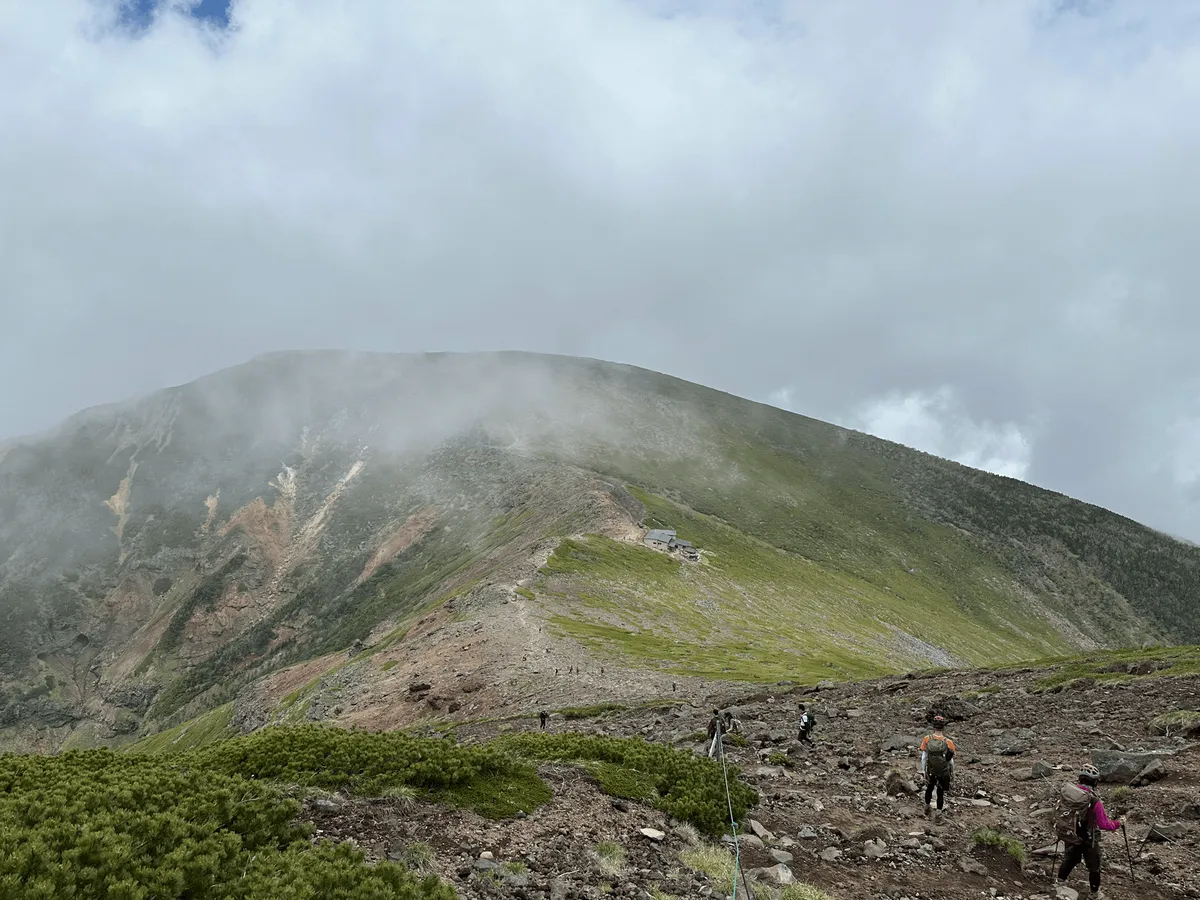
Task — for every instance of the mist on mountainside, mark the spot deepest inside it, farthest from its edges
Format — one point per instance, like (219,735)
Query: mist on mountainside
(162,555)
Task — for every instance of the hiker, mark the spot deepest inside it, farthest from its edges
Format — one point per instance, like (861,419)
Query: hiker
(715,728)
(544,716)
(806,724)
(937,765)
(733,725)
(1079,817)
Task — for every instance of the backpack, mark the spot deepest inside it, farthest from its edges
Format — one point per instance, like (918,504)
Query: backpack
(936,761)
(1072,810)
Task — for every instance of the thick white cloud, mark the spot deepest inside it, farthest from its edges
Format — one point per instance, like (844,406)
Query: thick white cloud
(930,422)
(863,200)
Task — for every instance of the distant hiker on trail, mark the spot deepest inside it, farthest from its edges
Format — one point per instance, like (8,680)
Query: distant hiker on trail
(806,724)
(732,725)
(1079,817)
(544,716)
(715,728)
(937,765)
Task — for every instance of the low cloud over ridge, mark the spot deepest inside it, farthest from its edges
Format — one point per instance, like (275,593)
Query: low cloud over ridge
(981,213)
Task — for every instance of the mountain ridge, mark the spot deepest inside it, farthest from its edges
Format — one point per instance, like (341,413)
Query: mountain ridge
(168,554)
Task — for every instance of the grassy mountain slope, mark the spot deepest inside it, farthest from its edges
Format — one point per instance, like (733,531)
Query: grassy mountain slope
(475,520)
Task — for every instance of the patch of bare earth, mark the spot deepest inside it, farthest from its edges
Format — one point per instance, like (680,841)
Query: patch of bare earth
(414,528)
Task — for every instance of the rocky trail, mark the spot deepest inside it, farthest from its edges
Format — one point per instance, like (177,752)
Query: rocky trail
(841,815)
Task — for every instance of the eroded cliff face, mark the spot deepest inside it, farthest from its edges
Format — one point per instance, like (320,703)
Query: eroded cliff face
(210,572)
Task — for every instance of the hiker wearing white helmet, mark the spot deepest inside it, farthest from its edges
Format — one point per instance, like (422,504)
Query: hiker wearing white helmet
(1079,819)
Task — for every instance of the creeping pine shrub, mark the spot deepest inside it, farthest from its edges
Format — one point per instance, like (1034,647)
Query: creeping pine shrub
(362,762)
(391,764)
(685,786)
(95,824)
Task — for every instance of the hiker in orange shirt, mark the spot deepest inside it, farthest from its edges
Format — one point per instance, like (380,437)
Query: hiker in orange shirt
(937,765)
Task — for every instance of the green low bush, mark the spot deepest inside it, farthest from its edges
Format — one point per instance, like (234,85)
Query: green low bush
(132,827)
(690,788)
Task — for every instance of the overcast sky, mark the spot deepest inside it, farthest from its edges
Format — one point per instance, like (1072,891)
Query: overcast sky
(973,227)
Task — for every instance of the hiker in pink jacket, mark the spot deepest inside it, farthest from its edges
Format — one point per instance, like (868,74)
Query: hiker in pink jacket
(1088,849)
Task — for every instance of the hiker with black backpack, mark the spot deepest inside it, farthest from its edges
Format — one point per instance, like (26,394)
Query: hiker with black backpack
(806,725)
(937,765)
(1079,817)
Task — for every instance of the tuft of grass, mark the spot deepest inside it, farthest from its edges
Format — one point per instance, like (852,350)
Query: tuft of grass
(1121,793)
(404,795)
(989,837)
(1177,722)
(608,858)
(715,862)
(514,867)
(657,893)
(572,713)
(526,593)
(419,857)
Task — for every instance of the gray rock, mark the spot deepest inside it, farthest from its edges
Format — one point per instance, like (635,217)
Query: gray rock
(782,856)
(749,840)
(1191,810)
(1153,772)
(769,772)
(1014,743)
(807,834)
(972,866)
(1162,832)
(953,709)
(1119,767)
(758,829)
(831,854)
(779,874)
(326,804)
(897,785)
(1042,770)
(901,742)
(875,849)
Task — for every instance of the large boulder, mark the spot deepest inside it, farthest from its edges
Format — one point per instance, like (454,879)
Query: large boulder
(899,785)
(901,742)
(952,709)
(1015,742)
(1118,767)
(1042,770)
(1163,832)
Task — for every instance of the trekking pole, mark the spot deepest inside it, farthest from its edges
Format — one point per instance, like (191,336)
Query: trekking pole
(1054,859)
(1129,855)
